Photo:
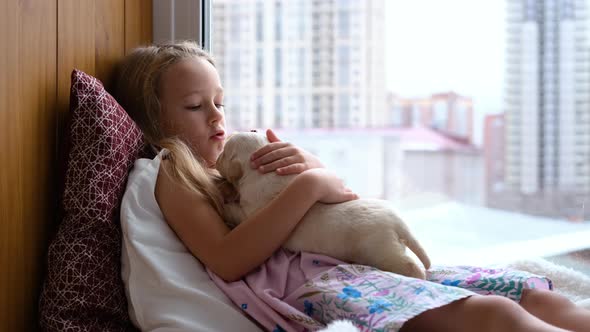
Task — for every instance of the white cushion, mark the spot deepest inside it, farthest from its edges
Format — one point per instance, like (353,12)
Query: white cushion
(167,288)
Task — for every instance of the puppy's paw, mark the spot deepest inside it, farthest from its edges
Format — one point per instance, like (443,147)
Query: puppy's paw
(414,271)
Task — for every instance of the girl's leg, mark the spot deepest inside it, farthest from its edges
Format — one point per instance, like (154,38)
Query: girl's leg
(478,313)
(555,309)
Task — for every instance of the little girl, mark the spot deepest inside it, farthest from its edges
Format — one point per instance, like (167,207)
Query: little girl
(173,92)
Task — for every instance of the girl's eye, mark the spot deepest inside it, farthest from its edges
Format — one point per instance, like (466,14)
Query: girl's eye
(198,107)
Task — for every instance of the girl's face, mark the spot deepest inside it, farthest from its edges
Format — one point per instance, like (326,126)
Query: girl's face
(191,98)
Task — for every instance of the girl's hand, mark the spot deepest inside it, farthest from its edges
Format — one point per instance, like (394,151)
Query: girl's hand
(282,157)
(330,188)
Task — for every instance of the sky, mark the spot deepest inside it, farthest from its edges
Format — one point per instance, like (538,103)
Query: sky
(437,46)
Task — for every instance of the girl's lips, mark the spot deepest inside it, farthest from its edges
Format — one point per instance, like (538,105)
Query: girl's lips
(220,135)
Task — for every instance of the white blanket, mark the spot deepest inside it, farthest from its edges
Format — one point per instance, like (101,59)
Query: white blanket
(568,282)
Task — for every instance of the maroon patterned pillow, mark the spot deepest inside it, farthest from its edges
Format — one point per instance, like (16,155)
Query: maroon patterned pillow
(83,290)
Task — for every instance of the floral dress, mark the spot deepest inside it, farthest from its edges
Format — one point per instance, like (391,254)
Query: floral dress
(304,292)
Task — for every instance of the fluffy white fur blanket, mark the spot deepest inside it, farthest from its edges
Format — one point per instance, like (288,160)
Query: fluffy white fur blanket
(572,284)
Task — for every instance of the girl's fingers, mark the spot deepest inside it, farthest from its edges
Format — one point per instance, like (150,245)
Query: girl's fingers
(291,169)
(345,197)
(272,137)
(267,149)
(276,164)
(351,196)
(288,153)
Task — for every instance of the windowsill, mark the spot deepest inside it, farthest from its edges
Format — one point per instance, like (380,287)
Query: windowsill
(454,233)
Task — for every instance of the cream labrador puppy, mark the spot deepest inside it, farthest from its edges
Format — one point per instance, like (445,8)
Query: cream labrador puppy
(363,231)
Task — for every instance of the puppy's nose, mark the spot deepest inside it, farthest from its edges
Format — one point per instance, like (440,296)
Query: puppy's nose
(253,131)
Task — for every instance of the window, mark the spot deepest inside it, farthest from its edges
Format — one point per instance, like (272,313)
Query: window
(234,24)
(278,20)
(343,65)
(259,67)
(278,67)
(259,21)
(493,154)
(300,67)
(531,10)
(416,116)
(278,112)
(343,23)
(234,67)
(344,111)
(441,113)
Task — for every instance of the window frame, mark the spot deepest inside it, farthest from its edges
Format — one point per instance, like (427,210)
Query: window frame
(205,19)
(175,20)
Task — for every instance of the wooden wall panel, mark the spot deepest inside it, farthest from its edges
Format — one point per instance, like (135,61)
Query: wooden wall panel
(41,42)
(75,45)
(109,37)
(37,68)
(138,23)
(10,189)
(27,93)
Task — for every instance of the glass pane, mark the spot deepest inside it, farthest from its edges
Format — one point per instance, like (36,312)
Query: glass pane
(472,117)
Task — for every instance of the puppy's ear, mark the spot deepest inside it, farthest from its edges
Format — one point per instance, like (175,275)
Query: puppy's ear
(235,172)
(228,191)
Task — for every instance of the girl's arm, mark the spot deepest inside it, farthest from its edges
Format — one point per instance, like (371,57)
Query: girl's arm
(233,253)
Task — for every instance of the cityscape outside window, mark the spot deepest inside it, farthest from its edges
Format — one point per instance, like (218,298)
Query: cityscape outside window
(485,173)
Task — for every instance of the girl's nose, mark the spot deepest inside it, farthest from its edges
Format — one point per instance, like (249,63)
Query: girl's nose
(216,115)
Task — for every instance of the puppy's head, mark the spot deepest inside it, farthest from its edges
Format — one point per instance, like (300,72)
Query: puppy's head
(235,158)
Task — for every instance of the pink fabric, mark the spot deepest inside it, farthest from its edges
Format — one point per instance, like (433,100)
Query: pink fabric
(260,294)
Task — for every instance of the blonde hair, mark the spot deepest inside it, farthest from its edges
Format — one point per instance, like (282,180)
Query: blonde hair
(136,89)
